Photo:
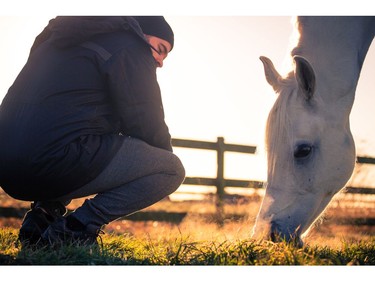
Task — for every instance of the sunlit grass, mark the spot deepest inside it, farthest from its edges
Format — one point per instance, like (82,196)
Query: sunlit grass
(195,238)
(182,250)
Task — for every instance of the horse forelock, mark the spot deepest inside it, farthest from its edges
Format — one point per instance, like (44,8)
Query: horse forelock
(278,123)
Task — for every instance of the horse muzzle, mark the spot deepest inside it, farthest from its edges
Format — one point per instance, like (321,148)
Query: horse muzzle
(279,234)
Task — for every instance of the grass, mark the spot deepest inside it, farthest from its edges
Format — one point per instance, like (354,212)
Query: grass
(128,250)
(192,237)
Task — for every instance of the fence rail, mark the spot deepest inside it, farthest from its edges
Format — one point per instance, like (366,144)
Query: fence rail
(220,147)
(365,160)
(220,182)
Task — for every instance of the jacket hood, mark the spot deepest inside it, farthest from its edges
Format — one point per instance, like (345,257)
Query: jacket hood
(68,31)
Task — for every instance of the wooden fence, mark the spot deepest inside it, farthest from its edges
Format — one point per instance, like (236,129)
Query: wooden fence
(220,147)
(220,182)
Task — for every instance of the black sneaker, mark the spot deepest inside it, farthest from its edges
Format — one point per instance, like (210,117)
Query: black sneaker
(37,220)
(59,233)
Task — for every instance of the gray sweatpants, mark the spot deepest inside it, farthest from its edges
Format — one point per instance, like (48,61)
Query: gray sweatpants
(137,177)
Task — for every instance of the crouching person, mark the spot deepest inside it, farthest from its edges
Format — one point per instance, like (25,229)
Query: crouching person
(85,117)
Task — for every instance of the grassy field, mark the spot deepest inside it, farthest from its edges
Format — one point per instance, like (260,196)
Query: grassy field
(187,233)
(180,250)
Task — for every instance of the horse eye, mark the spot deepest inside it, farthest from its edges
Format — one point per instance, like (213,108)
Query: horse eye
(302,151)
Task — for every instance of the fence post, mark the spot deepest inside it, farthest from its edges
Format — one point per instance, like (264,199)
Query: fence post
(220,182)
(220,167)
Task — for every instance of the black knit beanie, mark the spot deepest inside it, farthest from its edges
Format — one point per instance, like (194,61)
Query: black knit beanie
(156,26)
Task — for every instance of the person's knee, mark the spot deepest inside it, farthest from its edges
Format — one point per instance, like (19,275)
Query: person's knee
(178,170)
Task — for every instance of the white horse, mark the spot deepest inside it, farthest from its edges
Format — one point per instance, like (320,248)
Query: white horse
(310,149)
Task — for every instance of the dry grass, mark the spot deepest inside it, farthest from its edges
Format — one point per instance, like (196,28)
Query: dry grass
(199,221)
(194,237)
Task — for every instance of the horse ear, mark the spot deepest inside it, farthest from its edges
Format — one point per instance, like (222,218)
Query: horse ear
(305,76)
(272,76)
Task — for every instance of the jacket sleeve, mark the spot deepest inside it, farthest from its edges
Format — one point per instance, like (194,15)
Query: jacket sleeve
(135,94)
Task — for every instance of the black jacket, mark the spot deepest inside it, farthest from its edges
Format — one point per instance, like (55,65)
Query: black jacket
(71,106)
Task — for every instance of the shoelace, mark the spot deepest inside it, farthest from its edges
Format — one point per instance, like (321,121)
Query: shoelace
(98,236)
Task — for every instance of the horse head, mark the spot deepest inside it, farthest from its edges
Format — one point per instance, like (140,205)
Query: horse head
(310,152)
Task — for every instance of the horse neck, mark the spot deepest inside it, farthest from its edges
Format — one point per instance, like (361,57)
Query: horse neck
(336,47)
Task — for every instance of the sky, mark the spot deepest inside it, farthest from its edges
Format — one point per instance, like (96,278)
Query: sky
(212,82)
